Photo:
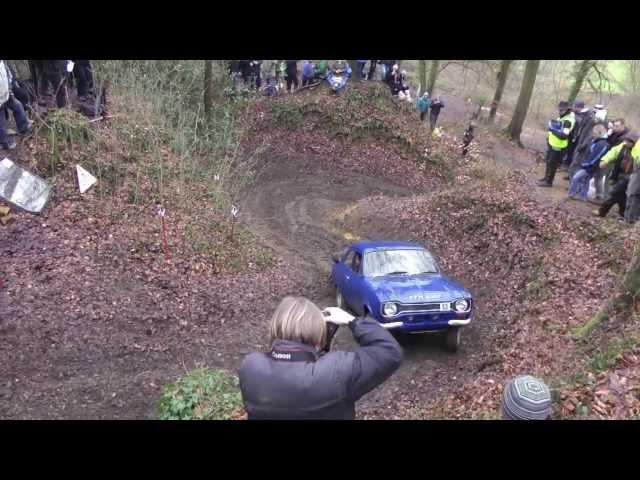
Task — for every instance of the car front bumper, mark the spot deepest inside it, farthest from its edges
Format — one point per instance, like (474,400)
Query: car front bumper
(427,326)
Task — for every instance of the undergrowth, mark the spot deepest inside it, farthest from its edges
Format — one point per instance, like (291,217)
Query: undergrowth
(202,394)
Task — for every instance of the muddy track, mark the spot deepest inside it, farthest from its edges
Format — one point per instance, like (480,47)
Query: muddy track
(295,214)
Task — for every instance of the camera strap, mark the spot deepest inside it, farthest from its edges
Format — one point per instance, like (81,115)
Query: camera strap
(292,355)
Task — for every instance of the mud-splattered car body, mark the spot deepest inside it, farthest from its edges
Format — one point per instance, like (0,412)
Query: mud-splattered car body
(400,285)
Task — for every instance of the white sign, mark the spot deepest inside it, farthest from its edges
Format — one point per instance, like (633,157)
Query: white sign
(234,210)
(70,66)
(85,179)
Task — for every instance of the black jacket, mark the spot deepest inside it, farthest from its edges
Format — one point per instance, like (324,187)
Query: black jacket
(306,386)
(436,106)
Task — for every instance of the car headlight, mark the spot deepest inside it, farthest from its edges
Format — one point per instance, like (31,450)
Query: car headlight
(389,309)
(461,305)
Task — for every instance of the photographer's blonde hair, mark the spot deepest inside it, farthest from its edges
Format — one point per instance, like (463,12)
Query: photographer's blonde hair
(299,320)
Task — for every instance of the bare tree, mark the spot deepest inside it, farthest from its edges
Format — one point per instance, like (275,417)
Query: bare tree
(520,113)
(208,87)
(422,73)
(580,73)
(633,73)
(433,76)
(502,81)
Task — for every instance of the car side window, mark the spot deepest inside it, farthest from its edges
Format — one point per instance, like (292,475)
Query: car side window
(356,266)
(349,258)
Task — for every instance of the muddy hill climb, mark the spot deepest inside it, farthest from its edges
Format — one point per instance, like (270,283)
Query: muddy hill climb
(99,309)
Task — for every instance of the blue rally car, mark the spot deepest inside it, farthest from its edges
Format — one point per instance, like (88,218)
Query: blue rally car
(400,285)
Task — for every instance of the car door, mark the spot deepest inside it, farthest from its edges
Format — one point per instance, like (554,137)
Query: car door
(355,289)
(342,272)
(353,285)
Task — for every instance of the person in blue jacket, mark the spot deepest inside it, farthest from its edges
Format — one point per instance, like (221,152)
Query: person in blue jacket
(338,76)
(579,187)
(422,103)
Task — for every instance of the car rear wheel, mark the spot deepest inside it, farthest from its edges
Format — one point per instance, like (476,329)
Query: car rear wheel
(452,339)
(340,299)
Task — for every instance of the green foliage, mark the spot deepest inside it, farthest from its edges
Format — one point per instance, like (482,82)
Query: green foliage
(202,394)
(62,130)
(286,114)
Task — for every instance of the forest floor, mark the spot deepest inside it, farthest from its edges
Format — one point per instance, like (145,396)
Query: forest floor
(93,320)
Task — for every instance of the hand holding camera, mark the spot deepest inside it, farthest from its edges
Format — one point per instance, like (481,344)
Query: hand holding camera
(337,316)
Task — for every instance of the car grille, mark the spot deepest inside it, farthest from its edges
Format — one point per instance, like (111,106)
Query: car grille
(419,307)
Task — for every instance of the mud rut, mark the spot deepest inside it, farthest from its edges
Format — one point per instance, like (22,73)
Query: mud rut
(294,215)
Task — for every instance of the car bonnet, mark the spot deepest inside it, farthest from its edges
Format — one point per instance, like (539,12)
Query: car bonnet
(416,288)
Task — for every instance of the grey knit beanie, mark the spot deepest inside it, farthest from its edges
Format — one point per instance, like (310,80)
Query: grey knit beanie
(526,398)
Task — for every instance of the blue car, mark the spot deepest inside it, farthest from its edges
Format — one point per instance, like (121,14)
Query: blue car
(400,285)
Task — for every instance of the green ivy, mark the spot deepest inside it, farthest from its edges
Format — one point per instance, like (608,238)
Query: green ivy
(202,394)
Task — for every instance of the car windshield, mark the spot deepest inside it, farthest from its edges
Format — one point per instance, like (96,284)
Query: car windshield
(398,262)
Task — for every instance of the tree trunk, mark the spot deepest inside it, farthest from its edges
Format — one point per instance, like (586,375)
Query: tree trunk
(524,99)
(433,75)
(208,87)
(422,73)
(502,81)
(625,299)
(582,70)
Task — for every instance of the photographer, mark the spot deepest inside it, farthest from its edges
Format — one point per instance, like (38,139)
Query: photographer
(295,381)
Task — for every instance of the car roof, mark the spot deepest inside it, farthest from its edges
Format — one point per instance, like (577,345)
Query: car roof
(362,247)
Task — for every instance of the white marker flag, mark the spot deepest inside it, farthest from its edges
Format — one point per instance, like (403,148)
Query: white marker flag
(85,179)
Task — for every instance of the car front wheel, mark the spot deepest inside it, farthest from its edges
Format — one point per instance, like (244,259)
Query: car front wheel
(452,339)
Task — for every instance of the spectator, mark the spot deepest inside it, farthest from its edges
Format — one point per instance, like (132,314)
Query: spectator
(404,85)
(54,75)
(372,69)
(294,381)
(8,101)
(620,157)
(579,187)
(422,104)
(361,64)
(467,139)
(321,68)
(245,71)
(270,67)
(256,74)
(338,76)
(390,64)
(597,116)
(84,77)
(394,81)
(436,106)
(526,398)
(632,212)
(580,113)
(383,70)
(557,142)
(24,91)
(307,73)
(292,75)
(617,134)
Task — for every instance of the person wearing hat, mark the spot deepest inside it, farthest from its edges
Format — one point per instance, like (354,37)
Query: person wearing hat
(597,116)
(580,112)
(620,157)
(526,398)
(558,142)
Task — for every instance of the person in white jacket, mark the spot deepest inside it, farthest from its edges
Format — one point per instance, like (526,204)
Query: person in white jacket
(9,102)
